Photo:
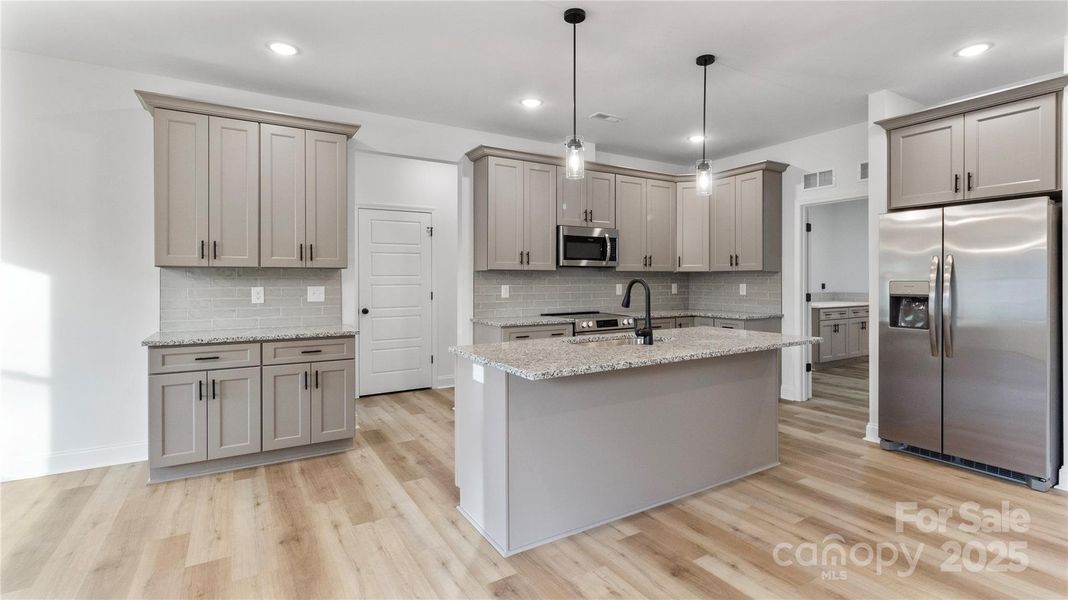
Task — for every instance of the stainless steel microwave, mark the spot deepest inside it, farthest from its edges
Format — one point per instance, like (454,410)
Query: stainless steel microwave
(587,246)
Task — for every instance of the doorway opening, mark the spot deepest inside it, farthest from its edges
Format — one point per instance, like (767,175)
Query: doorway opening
(835,299)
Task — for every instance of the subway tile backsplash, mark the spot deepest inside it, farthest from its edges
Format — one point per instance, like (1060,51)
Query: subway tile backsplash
(534,292)
(220,298)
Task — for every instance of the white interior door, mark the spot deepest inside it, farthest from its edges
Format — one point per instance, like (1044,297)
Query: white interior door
(394,301)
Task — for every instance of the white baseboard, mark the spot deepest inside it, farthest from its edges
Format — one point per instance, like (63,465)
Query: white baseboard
(791,393)
(445,381)
(871,433)
(1062,479)
(25,467)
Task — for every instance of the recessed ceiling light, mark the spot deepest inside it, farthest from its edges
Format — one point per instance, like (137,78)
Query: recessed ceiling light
(696,139)
(531,102)
(283,48)
(973,50)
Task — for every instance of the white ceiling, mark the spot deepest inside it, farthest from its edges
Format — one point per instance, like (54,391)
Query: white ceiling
(785,70)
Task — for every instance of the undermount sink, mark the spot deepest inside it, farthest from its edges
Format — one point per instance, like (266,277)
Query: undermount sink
(627,341)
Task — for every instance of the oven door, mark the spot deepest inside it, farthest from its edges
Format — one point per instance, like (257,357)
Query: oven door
(587,247)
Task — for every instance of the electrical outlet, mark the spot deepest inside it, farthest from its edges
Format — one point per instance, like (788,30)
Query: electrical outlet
(619,289)
(674,288)
(257,295)
(741,289)
(504,291)
(316,293)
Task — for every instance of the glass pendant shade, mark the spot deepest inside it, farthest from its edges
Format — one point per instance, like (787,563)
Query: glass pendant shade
(704,177)
(574,158)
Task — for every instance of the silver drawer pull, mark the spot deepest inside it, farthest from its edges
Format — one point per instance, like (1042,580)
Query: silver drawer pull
(206,358)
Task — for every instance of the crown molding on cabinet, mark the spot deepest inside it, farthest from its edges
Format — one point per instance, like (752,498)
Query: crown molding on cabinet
(1013,94)
(484,151)
(152,100)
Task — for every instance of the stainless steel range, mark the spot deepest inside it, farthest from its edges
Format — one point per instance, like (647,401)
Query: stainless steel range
(589,322)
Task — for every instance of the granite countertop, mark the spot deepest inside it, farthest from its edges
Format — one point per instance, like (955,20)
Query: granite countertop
(237,336)
(836,304)
(552,358)
(657,314)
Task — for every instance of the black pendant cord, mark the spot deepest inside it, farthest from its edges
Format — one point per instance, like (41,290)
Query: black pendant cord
(574,80)
(704,114)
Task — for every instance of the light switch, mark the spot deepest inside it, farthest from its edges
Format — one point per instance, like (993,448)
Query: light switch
(257,295)
(316,293)
(674,288)
(504,291)
(619,289)
(741,288)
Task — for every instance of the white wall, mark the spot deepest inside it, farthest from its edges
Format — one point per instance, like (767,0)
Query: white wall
(79,290)
(842,150)
(838,247)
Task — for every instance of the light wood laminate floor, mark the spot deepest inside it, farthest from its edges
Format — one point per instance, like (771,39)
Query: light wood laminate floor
(380,522)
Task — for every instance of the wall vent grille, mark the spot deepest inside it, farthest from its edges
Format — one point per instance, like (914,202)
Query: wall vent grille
(603,116)
(819,179)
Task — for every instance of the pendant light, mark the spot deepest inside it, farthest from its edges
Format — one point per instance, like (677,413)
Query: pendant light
(704,168)
(574,153)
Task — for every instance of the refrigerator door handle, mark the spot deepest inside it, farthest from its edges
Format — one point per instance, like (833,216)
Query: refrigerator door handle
(947,306)
(932,298)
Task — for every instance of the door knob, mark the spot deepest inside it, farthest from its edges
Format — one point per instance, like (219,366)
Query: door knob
(364,311)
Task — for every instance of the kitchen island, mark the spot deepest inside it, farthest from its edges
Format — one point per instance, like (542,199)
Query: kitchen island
(556,436)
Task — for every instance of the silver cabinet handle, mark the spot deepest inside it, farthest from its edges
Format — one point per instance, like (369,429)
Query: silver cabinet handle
(932,299)
(947,306)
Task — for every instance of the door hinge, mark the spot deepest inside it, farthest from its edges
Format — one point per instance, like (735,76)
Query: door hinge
(430,230)
(808,227)
(808,367)
(431,359)
(808,297)
(431,295)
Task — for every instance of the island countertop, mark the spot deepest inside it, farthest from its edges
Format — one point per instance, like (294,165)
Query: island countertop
(563,357)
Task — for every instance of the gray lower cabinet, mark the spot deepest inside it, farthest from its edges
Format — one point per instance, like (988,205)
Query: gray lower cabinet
(844,330)
(286,406)
(177,419)
(684,322)
(488,334)
(233,400)
(333,414)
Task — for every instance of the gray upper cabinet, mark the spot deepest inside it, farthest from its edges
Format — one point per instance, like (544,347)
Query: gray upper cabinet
(233,412)
(1012,148)
(177,419)
(181,188)
(927,163)
(515,215)
(722,203)
(630,220)
(749,231)
(233,192)
(998,145)
(238,187)
(326,178)
(282,196)
(660,225)
(691,229)
(286,406)
(587,202)
(333,400)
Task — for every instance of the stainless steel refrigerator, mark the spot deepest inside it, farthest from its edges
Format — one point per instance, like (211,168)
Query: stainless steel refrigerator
(969,336)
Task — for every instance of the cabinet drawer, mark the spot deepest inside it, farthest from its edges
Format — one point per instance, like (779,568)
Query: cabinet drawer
(177,359)
(834,313)
(310,350)
(860,311)
(730,323)
(518,334)
(663,323)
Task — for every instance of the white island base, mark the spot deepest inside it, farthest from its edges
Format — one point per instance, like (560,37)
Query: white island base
(540,460)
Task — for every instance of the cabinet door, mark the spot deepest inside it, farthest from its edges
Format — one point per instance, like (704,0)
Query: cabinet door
(691,229)
(722,223)
(333,400)
(749,222)
(838,345)
(177,419)
(326,196)
(505,214)
(660,225)
(1012,148)
(927,163)
(233,412)
(282,191)
(286,406)
(571,200)
(826,347)
(601,199)
(181,188)
(539,222)
(233,192)
(857,338)
(630,220)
